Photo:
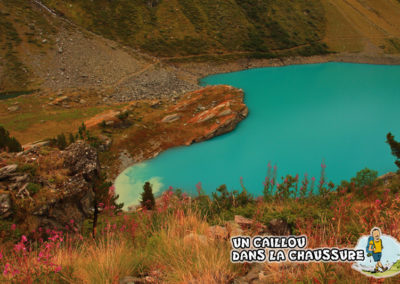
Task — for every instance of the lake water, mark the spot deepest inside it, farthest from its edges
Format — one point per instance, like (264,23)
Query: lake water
(299,116)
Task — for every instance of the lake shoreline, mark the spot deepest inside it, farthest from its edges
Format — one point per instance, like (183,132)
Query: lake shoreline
(200,70)
(329,76)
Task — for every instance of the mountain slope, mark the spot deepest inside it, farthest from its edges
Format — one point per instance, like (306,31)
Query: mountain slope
(117,46)
(183,27)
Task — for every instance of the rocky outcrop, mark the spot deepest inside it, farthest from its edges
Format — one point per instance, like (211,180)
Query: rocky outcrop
(81,160)
(76,199)
(29,194)
(195,117)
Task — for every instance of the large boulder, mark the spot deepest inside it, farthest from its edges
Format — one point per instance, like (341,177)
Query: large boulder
(81,159)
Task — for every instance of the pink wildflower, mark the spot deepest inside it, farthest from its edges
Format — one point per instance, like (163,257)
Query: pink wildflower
(198,185)
(7,269)
(13,227)
(57,269)
(24,239)
(20,246)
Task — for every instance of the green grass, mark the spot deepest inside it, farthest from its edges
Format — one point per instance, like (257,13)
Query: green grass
(23,121)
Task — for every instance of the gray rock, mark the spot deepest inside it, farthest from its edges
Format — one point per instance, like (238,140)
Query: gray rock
(194,238)
(225,112)
(5,172)
(13,108)
(279,227)
(171,118)
(234,229)
(105,142)
(82,159)
(5,205)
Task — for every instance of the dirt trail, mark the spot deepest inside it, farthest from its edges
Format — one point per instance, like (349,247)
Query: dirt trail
(130,76)
(240,53)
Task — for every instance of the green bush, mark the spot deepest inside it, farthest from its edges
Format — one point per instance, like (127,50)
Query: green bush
(122,116)
(61,141)
(364,178)
(27,168)
(33,188)
(148,200)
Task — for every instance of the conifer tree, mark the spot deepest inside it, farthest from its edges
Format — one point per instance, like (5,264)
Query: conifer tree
(395,147)
(61,141)
(148,200)
(71,138)
(8,143)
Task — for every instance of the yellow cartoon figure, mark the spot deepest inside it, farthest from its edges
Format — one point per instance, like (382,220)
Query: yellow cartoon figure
(375,248)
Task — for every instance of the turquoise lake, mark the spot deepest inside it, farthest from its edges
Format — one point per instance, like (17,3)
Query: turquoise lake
(299,116)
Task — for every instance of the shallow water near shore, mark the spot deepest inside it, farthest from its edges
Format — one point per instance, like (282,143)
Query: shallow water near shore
(299,116)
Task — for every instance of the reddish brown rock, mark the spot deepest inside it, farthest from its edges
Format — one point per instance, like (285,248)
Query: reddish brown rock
(196,116)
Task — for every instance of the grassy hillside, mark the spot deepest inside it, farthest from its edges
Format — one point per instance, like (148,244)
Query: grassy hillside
(185,27)
(34,43)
